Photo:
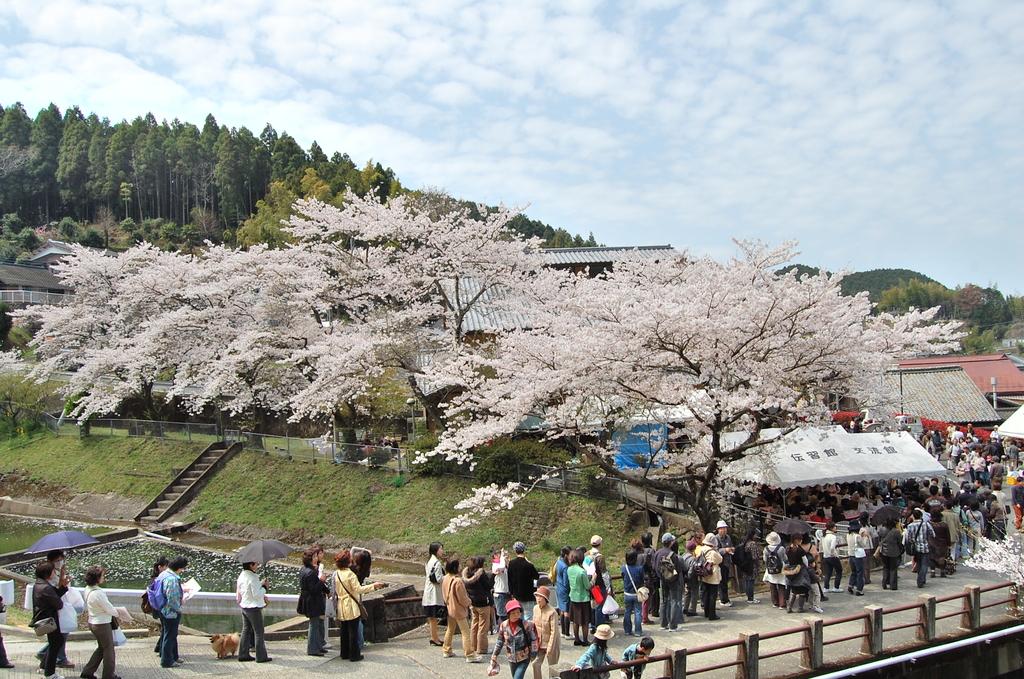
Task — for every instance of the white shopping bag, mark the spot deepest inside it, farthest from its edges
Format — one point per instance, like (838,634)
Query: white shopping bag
(610,606)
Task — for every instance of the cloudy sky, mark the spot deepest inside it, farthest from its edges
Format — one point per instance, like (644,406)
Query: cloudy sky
(877,134)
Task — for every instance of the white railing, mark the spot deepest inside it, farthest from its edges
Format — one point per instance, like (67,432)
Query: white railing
(32,297)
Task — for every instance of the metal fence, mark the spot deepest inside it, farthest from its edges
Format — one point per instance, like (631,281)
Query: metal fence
(323,449)
(576,481)
(174,431)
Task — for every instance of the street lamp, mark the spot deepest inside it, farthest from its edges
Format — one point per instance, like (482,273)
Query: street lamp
(411,402)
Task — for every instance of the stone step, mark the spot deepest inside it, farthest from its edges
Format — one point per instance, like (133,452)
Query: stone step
(179,487)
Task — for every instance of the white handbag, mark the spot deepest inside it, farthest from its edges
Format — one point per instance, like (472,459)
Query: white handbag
(610,605)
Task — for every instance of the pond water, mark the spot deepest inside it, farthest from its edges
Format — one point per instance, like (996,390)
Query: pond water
(128,565)
(129,562)
(18,532)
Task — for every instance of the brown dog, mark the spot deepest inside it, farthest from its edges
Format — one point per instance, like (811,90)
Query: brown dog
(226,645)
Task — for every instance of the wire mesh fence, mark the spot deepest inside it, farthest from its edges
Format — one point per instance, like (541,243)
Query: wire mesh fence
(577,481)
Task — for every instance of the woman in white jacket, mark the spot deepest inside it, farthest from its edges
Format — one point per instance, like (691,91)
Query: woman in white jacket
(433,601)
(251,594)
(101,616)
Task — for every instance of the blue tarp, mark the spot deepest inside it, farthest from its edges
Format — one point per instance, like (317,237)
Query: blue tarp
(635,447)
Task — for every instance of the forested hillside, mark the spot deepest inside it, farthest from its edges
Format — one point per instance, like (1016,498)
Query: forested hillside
(80,177)
(988,315)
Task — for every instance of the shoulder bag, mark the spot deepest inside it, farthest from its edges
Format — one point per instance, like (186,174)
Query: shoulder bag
(642,593)
(362,609)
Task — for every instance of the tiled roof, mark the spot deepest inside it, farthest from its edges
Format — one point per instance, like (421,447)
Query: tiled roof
(491,313)
(605,255)
(946,393)
(19,275)
(981,369)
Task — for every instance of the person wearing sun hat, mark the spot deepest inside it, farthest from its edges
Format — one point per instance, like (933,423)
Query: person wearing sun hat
(518,637)
(545,619)
(596,654)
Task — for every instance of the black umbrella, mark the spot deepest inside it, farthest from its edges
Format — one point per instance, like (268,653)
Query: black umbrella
(62,540)
(262,551)
(884,514)
(792,527)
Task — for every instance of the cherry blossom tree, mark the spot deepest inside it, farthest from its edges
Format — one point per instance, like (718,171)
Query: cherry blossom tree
(1000,556)
(92,339)
(428,289)
(701,346)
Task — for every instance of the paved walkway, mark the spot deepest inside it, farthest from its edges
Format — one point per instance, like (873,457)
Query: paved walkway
(412,657)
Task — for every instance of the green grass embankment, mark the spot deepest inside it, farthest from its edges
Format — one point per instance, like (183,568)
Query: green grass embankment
(353,502)
(132,467)
(307,501)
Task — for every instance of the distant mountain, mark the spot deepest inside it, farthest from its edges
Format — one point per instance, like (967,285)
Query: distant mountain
(877,281)
(874,282)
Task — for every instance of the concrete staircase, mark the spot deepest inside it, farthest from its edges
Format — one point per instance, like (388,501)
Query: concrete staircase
(186,485)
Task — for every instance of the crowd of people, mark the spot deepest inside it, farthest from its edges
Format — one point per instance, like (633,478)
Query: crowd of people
(929,526)
(56,606)
(530,612)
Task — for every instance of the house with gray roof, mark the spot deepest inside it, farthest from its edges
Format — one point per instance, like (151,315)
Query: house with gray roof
(945,393)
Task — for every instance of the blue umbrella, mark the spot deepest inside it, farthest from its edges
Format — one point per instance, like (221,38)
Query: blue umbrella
(65,539)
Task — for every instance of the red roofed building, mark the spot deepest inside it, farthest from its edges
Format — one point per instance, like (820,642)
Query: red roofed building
(1009,379)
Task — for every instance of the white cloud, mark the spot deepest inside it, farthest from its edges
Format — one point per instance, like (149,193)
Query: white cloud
(878,133)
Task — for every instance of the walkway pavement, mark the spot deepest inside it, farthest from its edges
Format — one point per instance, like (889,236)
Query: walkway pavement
(411,657)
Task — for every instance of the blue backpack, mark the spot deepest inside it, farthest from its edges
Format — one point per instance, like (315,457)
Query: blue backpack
(155,594)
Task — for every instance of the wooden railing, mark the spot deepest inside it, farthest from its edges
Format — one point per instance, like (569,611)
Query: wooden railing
(875,625)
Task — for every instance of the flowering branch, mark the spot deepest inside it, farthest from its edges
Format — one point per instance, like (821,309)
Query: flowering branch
(490,500)
(1003,557)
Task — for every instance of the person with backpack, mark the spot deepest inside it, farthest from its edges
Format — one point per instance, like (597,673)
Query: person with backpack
(433,601)
(670,569)
(774,556)
(159,566)
(916,542)
(651,607)
(706,565)
(691,581)
(747,559)
(170,610)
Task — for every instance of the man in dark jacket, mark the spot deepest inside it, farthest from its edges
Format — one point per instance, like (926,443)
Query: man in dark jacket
(671,590)
(312,602)
(651,580)
(726,549)
(522,579)
(46,603)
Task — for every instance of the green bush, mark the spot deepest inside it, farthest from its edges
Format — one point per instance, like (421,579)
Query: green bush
(499,462)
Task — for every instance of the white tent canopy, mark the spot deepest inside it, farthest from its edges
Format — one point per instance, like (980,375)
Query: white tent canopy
(1014,425)
(817,455)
